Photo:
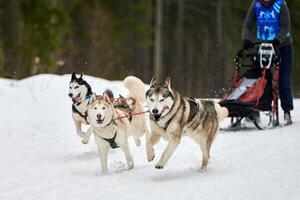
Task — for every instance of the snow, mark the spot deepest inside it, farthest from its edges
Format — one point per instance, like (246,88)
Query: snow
(43,158)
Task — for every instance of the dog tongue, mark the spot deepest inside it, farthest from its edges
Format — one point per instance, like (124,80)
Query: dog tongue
(77,99)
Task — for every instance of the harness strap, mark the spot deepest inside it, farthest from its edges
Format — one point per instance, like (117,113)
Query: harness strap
(112,141)
(84,116)
(194,106)
(131,115)
(86,97)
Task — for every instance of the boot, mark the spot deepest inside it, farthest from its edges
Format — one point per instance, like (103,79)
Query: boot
(287,118)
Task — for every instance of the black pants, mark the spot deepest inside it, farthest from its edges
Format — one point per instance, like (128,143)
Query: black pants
(285,70)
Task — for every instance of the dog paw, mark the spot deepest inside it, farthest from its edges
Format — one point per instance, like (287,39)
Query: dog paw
(85,140)
(159,166)
(130,165)
(150,156)
(203,169)
(137,142)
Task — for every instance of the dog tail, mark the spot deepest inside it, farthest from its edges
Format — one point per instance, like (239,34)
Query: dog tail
(136,87)
(222,112)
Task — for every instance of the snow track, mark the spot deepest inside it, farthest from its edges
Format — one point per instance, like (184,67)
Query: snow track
(41,157)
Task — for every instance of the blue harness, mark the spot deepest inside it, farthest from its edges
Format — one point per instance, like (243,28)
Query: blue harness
(267,20)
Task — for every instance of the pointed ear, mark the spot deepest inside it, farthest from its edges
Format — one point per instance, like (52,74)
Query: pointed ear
(153,81)
(81,75)
(168,82)
(73,76)
(106,97)
(93,98)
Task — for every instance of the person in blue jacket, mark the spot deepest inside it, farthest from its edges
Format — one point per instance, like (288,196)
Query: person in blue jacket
(273,24)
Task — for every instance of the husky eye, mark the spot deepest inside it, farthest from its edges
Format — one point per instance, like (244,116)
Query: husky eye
(70,87)
(103,108)
(161,100)
(76,87)
(95,108)
(152,100)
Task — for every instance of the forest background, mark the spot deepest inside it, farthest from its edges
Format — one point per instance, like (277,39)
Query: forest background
(193,41)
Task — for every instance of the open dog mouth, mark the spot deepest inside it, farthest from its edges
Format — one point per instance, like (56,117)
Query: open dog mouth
(99,119)
(157,117)
(76,99)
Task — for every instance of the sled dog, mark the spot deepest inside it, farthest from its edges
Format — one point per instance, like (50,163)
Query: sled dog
(80,92)
(112,122)
(173,116)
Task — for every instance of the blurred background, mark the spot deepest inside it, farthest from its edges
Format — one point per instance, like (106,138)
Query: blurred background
(193,41)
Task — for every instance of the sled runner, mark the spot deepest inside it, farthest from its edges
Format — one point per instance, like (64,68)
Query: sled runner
(254,94)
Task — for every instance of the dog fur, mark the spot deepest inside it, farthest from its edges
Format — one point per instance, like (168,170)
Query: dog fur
(173,116)
(107,121)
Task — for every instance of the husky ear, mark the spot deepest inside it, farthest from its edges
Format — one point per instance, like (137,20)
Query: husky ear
(168,82)
(153,81)
(106,97)
(93,98)
(81,75)
(73,76)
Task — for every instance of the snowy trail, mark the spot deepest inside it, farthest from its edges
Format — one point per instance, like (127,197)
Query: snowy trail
(41,157)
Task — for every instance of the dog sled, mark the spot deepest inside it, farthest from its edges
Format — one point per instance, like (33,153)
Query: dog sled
(254,94)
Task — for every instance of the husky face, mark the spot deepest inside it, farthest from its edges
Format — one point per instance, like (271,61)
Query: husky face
(78,89)
(159,98)
(101,110)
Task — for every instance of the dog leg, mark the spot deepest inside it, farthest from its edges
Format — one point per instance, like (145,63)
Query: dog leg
(87,136)
(103,151)
(205,154)
(172,145)
(137,142)
(128,155)
(79,132)
(151,141)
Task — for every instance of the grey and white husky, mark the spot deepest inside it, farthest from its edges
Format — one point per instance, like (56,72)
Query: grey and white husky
(173,116)
(80,92)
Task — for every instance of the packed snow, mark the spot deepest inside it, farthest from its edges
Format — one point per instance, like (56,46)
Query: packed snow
(43,158)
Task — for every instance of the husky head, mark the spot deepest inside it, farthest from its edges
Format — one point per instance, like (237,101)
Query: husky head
(159,98)
(79,89)
(101,110)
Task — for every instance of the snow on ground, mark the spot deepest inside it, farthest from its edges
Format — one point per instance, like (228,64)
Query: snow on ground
(41,157)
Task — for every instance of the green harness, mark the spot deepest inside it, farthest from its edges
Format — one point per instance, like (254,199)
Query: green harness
(112,141)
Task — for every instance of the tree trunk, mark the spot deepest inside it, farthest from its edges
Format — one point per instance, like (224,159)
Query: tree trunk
(220,68)
(181,66)
(158,40)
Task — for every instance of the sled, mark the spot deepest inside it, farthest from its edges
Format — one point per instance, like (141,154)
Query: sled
(254,92)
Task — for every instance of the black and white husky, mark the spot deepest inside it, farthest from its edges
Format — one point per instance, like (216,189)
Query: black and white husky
(80,92)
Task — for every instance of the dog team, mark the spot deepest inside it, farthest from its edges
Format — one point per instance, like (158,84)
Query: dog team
(171,116)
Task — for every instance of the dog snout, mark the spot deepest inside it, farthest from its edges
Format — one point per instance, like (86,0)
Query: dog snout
(155,111)
(99,116)
(70,95)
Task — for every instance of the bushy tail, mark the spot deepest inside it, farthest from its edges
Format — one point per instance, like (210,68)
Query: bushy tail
(135,87)
(222,112)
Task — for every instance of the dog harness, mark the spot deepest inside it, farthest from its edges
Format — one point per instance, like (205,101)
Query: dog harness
(84,116)
(194,106)
(121,103)
(74,109)
(267,20)
(112,141)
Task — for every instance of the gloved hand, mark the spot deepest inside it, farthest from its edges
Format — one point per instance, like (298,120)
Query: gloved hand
(275,43)
(247,44)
